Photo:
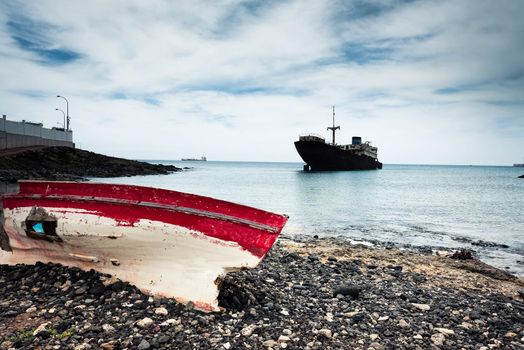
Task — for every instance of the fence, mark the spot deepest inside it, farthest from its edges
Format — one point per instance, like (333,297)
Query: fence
(23,134)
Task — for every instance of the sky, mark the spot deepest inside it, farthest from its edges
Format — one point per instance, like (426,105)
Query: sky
(428,82)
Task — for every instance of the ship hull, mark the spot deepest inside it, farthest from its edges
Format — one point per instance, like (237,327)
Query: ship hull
(167,243)
(322,156)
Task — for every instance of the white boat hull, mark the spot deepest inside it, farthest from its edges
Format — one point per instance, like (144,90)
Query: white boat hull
(160,258)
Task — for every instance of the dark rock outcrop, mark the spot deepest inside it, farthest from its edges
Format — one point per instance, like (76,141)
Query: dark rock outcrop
(63,163)
(462,254)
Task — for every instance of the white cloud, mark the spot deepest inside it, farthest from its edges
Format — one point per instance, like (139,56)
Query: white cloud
(240,80)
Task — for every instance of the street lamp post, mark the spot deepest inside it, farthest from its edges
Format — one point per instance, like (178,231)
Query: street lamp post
(67,109)
(58,109)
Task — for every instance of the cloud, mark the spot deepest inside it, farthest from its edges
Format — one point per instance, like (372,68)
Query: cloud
(31,36)
(239,80)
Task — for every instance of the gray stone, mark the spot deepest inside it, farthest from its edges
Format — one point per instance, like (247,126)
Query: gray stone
(423,307)
(146,322)
(269,343)
(283,339)
(326,333)
(444,331)
(108,328)
(248,330)
(376,346)
(144,345)
(41,328)
(81,290)
(438,339)
(402,323)
(161,311)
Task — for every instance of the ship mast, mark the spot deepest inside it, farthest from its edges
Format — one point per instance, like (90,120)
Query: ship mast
(333,128)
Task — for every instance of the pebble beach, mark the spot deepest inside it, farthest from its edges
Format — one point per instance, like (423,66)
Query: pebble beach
(307,294)
(262,175)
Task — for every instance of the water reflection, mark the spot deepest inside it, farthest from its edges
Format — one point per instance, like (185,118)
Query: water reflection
(338,199)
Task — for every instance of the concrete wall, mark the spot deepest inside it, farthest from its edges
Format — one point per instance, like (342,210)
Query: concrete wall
(23,134)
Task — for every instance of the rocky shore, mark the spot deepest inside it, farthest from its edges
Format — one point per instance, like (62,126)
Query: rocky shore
(308,294)
(63,163)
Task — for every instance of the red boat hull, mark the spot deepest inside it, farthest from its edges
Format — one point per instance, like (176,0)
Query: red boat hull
(166,242)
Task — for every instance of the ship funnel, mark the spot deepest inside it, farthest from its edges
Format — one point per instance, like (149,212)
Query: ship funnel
(356,140)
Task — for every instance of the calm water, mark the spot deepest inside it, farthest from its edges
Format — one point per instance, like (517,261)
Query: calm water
(440,206)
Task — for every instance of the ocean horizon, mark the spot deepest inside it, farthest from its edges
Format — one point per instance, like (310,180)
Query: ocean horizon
(179,161)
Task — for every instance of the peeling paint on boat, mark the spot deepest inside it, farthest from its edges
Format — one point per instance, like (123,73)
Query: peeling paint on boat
(163,252)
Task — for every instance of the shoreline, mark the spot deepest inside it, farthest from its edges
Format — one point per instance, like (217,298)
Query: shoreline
(306,294)
(437,265)
(470,246)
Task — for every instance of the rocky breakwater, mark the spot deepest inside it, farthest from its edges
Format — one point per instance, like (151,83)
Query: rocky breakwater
(319,294)
(63,163)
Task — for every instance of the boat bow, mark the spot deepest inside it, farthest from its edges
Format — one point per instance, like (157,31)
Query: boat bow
(167,243)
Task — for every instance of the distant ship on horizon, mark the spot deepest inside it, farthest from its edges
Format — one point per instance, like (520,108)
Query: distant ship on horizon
(320,155)
(519,164)
(201,159)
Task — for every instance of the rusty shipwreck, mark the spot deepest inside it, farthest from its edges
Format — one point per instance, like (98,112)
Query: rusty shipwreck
(167,243)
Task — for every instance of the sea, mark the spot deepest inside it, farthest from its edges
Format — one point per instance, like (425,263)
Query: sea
(436,207)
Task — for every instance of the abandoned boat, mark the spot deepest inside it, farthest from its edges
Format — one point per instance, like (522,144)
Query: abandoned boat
(167,243)
(320,155)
